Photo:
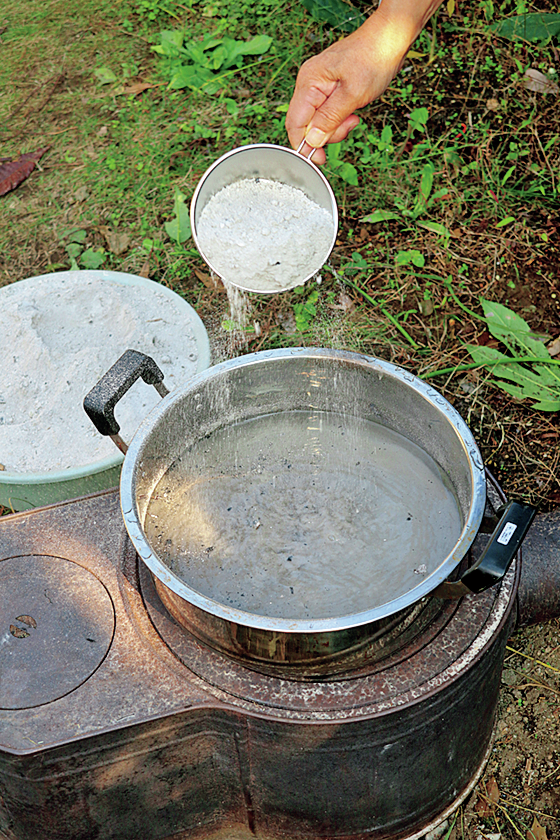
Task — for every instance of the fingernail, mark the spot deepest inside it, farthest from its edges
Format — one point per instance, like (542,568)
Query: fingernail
(315,138)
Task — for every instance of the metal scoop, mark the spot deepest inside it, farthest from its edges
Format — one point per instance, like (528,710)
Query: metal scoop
(273,163)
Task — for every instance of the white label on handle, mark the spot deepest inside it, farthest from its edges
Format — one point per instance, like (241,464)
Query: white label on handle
(507,533)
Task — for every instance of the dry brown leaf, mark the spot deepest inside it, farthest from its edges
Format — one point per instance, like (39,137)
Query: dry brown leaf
(488,798)
(345,303)
(426,307)
(118,242)
(538,82)
(145,270)
(211,282)
(16,171)
(492,104)
(81,194)
(537,831)
(18,632)
(137,87)
(554,347)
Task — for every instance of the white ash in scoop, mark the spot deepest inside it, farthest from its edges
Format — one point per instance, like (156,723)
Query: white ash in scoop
(263,235)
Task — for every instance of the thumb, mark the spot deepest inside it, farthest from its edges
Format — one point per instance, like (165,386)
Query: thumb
(334,111)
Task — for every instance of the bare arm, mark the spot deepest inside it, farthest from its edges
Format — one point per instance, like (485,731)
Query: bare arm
(353,72)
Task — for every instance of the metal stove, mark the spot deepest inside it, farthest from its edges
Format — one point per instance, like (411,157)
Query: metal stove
(116,723)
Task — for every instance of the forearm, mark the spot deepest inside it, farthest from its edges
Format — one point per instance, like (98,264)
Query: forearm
(351,73)
(402,21)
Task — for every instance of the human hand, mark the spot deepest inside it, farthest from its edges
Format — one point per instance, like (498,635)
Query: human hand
(346,76)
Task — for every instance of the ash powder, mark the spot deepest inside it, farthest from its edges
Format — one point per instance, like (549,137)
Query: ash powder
(263,235)
(60,333)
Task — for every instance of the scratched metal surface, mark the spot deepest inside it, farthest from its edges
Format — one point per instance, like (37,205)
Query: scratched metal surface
(171,739)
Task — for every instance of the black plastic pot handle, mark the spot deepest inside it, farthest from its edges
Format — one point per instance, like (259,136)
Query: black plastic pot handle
(99,404)
(496,557)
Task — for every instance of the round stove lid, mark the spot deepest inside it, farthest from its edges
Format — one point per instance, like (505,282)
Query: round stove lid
(58,626)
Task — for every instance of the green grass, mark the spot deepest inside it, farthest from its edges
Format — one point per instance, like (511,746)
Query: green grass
(458,162)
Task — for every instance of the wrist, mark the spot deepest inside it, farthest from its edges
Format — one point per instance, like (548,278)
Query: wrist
(401,22)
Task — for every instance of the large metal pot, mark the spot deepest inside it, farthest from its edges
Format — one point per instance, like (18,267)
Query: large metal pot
(269,382)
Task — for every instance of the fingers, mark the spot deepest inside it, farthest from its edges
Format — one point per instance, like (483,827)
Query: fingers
(332,122)
(310,93)
(316,153)
(319,111)
(333,85)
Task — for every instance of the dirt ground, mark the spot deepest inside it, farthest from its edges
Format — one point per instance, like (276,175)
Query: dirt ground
(522,780)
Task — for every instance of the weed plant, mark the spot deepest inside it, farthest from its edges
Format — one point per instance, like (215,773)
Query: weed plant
(447,190)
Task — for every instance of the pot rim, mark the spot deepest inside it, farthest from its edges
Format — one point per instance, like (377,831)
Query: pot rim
(321,625)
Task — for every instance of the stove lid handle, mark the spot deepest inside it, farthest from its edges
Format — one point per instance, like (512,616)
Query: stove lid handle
(497,557)
(99,404)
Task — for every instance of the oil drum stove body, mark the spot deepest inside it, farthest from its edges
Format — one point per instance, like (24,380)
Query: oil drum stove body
(116,723)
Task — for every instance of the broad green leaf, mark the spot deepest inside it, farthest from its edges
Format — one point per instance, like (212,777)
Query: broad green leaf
(426,181)
(105,76)
(257,45)
(231,106)
(93,258)
(507,221)
(196,54)
(406,257)
(210,41)
(380,216)
(349,174)
(358,260)
(333,153)
(436,228)
(513,330)
(483,355)
(538,378)
(540,383)
(171,41)
(74,249)
(233,52)
(543,394)
(77,236)
(190,75)
(337,14)
(197,50)
(179,228)
(386,138)
(512,390)
(547,405)
(219,57)
(534,27)
(418,118)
